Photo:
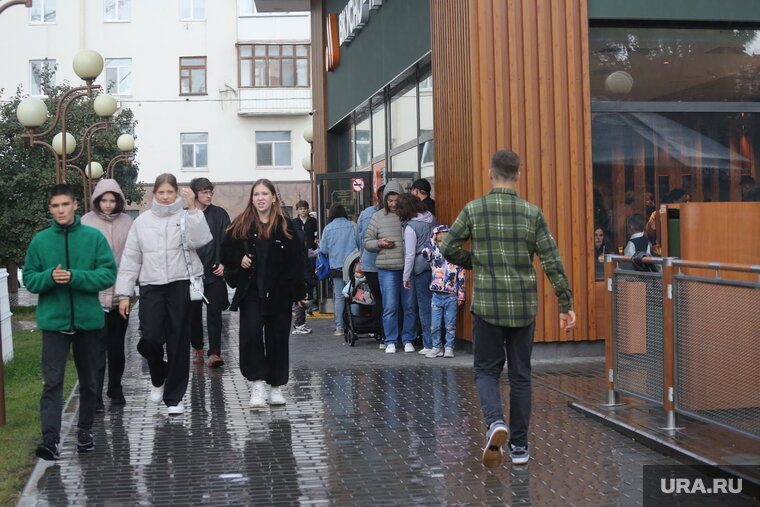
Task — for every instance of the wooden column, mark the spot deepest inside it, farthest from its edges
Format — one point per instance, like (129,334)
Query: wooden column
(514,74)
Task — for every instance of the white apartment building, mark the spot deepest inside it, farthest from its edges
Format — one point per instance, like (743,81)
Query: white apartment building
(218,90)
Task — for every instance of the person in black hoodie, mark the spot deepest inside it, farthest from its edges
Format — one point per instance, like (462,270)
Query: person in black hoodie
(262,247)
(214,287)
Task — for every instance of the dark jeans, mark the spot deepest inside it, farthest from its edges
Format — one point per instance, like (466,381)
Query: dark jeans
(112,353)
(374,287)
(492,345)
(55,350)
(165,320)
(218,301)
(264,342)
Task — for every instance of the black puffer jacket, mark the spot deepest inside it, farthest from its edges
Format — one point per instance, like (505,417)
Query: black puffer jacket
(282,282)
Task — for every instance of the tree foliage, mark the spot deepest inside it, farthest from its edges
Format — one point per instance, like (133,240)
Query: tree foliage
(27,172)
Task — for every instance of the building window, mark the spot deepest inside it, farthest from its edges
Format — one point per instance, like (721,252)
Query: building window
(117,10)
(194,151)
(247,8)
(192,10)
(119,76)
(272,149)
(192,75)
(274,65)
(36,70)
(42,11)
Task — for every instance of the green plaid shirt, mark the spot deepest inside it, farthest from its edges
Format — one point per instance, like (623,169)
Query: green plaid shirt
(506,232)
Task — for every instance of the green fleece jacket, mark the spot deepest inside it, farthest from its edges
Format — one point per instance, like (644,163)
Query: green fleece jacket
(84,251)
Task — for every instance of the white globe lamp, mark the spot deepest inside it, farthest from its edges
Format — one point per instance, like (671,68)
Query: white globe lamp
(125,142)
(32,112)
(94,170)
(619,82)
(71,143)
(88,64)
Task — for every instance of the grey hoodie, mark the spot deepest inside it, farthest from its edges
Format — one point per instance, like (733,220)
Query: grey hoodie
(386,224)
(115,227)
(416,237)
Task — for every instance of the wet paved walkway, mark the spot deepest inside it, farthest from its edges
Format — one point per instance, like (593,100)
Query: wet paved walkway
(361,427)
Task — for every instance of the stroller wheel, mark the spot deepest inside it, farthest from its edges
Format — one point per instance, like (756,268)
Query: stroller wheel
(350,337)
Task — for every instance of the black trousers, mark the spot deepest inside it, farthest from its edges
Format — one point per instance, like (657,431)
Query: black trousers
(55,350)
(112,353)
(374,286)
(264,343)
(492,345)
(165,320)
(218,301)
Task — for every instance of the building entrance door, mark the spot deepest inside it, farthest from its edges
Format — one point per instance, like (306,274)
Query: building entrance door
(352,190)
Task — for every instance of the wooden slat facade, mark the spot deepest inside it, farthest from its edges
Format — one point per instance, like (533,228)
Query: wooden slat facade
(514,74)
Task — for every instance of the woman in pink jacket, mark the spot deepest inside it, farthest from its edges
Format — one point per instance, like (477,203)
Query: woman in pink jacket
(108,217)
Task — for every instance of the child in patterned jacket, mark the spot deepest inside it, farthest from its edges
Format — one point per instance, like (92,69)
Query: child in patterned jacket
(447,287)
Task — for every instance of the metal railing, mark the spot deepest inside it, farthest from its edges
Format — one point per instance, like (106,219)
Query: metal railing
(690,343)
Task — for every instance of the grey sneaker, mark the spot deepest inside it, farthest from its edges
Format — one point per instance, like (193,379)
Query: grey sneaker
(519,455)
(449,352)
(435,352)
(496,436)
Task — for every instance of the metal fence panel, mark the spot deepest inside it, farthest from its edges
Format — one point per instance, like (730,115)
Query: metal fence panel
(717,351)
(637,315)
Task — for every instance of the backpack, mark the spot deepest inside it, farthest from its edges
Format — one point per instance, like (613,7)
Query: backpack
(322,267)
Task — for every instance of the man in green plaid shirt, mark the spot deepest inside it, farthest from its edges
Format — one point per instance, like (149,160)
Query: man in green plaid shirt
(506,232)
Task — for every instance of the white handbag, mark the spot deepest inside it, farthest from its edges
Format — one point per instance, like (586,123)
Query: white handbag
(196,282)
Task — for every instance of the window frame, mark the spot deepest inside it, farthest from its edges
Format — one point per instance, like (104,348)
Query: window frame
(47,62)
(182,145)
(192,11)
(273,150)
(118,18)
(43,21)
(105,77)
(190,68)
(279,58)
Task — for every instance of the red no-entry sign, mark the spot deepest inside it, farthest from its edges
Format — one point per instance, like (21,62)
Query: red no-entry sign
(357,184)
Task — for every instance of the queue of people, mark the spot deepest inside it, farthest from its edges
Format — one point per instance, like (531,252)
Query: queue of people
(184,251)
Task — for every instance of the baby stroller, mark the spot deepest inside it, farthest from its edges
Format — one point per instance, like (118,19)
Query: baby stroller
(360,315)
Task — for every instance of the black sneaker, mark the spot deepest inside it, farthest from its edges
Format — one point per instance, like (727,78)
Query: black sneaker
(85,442)
(48,451)
(497,435)
(118,399)
(99,405)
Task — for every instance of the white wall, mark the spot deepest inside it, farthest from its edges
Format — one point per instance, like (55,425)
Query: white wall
(155,39)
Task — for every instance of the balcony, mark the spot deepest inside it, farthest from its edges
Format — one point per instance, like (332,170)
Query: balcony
(274,101)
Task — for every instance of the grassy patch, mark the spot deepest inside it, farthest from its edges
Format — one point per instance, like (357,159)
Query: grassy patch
(20,436)
(23,312)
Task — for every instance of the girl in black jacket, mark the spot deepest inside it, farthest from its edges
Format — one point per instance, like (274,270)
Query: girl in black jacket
(262,256)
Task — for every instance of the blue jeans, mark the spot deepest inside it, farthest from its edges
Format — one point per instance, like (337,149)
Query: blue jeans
(395,297)
(422,295)
(443,306)
(340,301)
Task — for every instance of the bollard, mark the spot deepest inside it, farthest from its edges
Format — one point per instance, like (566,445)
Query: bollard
(613,399)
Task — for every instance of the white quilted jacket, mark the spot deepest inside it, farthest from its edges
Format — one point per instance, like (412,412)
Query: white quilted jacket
(153,252)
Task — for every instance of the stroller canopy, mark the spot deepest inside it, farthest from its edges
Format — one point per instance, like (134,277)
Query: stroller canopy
(347,264)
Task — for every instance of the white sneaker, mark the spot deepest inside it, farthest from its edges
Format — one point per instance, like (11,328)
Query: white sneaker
(382,346)
(424,351)
(408,347)
(258,394)
(302,329)
(276,397)
(338,331)
(177,409)
(448,352)
(156,393)
(390,348)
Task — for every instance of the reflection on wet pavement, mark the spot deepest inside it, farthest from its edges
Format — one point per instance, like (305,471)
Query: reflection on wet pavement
(350,435)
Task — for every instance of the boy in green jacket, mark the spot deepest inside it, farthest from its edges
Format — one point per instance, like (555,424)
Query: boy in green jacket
(67,264)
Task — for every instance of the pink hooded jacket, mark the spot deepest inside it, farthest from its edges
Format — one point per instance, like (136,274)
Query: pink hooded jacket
(115,228)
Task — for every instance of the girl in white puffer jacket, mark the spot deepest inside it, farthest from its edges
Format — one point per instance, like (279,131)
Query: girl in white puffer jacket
(153,257)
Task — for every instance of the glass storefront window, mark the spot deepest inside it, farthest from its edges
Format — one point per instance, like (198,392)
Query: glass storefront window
(669,64)
(378,131)
(427,167)
(426,105)
(404,162)
(679,157)
(363,142)
(404,116)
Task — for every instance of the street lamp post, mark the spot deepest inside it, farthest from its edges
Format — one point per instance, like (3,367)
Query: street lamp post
(32,112)
(126,144)
(308,135)
(25,3)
